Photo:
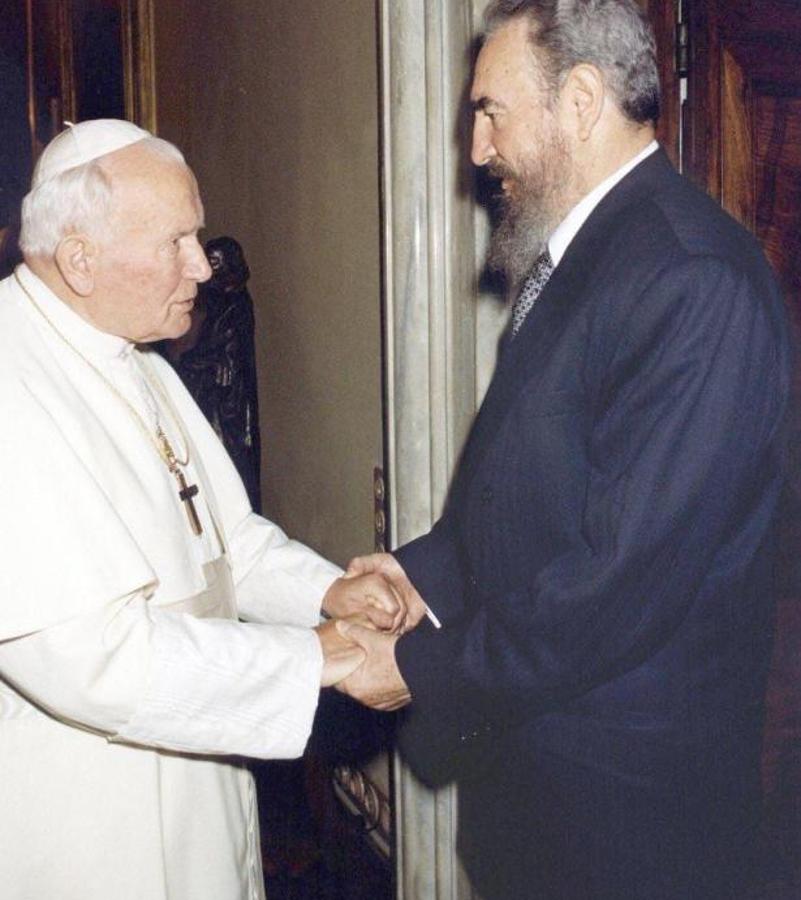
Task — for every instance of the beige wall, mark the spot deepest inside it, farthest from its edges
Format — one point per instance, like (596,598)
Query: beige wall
(274,103)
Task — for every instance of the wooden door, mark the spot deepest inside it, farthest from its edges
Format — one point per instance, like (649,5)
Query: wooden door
(65,60)
(742,143)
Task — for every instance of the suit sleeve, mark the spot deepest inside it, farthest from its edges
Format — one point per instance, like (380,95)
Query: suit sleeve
(682,451)
(444,580)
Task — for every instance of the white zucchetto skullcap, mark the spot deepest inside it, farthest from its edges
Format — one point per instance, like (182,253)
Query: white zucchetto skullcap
(84,142)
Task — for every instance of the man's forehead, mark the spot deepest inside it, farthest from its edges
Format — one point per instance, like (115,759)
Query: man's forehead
(137,171)
(505,56)
(139,160)
(155,192)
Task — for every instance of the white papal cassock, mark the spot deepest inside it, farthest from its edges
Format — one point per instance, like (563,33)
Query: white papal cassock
(122,713)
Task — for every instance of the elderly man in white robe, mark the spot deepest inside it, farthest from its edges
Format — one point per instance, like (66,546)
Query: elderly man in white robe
(128,683)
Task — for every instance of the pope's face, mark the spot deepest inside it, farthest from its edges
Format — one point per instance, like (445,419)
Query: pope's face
(150,261)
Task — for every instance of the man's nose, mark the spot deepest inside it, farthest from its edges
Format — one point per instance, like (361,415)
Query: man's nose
(197,266)
(482,150)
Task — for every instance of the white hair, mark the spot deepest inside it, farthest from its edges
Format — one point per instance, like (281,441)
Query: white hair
(75,201)
(613,35)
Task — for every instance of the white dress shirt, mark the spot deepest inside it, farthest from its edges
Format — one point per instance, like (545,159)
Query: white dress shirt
(570,225)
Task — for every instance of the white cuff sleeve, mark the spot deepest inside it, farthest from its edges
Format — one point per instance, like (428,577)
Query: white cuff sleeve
(173,681)
(231,687)
(277,580)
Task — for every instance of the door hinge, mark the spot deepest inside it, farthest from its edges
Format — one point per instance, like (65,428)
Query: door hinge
(682,49)
(379,511)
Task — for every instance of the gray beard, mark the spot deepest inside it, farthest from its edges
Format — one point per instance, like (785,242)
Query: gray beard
(529,217)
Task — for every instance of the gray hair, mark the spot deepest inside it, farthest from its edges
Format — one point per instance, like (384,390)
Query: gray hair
(78,200)
(613,35)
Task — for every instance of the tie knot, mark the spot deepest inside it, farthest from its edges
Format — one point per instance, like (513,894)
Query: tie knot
(532,288)
(543,263)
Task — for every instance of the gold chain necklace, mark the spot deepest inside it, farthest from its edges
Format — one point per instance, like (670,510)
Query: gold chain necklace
(159,440)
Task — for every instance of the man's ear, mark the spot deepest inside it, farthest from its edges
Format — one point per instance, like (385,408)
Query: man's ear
(75,258)
(582,97)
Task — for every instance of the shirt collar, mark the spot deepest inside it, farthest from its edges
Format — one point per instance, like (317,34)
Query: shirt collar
(82,335)
(570,225)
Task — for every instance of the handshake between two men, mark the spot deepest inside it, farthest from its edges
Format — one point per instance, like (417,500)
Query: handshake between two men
(371,607)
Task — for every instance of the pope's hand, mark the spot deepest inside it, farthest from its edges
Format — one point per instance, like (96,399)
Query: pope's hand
(385,564)
(341,656)
(378,682)
(366,594)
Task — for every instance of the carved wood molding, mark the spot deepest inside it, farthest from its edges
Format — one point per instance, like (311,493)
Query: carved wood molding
(136,51)
(365,799)
(139,62)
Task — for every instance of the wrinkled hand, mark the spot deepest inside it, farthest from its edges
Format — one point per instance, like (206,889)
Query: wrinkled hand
(378,682)
(385,564)
(369,594)
(341,656)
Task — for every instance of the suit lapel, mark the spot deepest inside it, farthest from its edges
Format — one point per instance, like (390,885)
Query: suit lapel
(521,359)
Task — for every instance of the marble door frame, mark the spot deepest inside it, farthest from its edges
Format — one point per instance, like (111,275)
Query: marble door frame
(440,333)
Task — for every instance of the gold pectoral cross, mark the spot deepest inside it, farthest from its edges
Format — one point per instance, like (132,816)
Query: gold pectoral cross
(186,492)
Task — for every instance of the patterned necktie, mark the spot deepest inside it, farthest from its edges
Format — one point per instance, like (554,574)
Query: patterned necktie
(532,288)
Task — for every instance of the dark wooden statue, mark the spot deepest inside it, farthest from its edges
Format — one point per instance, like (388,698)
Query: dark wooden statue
(216,359)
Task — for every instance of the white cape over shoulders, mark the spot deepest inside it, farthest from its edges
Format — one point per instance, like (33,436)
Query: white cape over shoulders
(92,532)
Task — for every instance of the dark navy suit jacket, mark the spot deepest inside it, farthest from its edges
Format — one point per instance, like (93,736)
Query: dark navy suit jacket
(604,566)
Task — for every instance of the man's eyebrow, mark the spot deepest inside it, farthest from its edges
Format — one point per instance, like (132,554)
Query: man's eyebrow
(483,103)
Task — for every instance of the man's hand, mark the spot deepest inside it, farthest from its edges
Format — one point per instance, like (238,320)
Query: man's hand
(341,656)
(366,594)
(385,564)
(378,682)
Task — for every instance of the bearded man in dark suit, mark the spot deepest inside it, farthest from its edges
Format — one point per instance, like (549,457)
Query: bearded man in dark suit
(603,570)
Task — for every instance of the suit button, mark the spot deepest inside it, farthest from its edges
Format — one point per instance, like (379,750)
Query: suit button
(477,732)
(486,495)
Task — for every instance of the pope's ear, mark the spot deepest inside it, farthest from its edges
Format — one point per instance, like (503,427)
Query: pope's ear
(75,257)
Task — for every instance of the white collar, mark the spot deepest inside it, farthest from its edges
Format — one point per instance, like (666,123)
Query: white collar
(87,339)
(570,225)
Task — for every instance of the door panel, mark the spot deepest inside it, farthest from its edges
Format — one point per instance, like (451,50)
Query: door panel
(742,143)
(777,137)
(663,15)
(65,60)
